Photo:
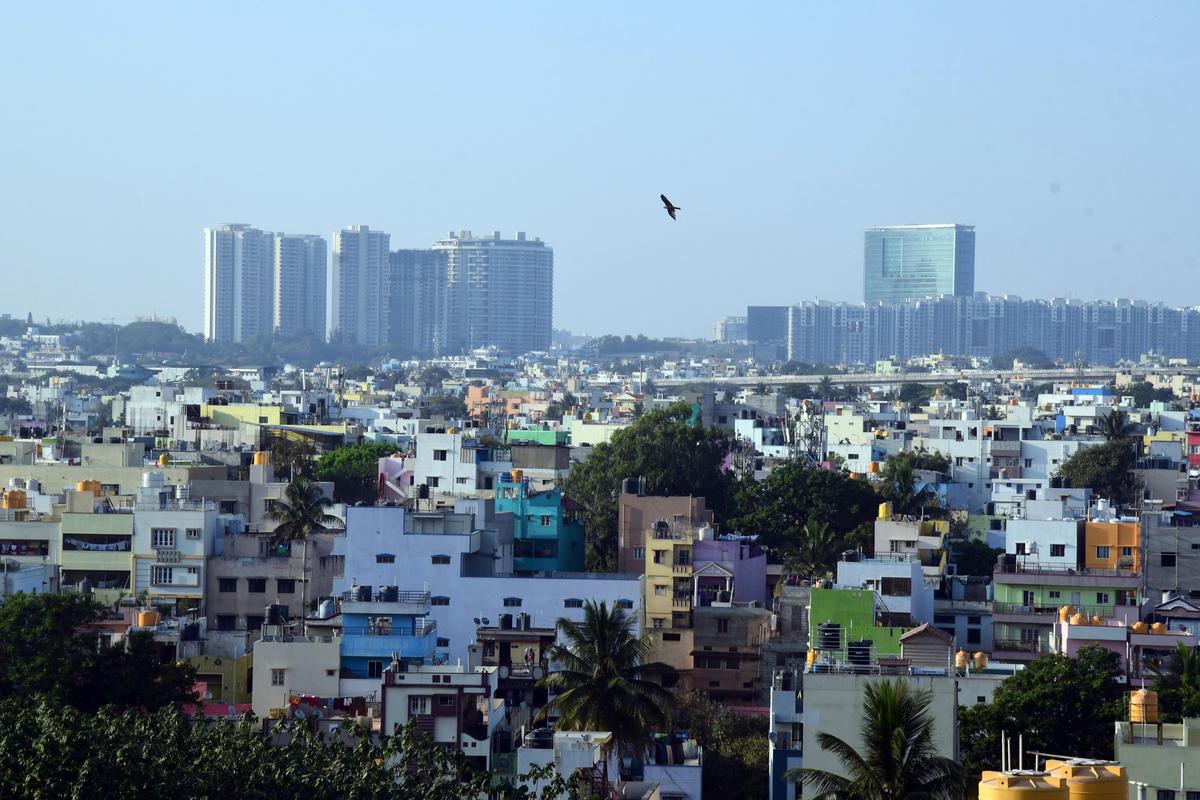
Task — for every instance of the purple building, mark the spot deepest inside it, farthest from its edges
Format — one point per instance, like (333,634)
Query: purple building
(729,568)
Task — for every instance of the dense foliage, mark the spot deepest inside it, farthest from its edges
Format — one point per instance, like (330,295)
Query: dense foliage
(1177,683)
(1030,357)
(793,494)
(354,471)
(669,453)
(735,747)
(1106,468)
(48,751)
(1144,393)
(46,648)
(974,557)
(899,759)
(1060,704)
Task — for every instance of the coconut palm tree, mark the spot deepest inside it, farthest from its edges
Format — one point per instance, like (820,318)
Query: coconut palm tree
(1115,425)
(817,552)
(898,761)
(603,681)
(1178,684)
(900,486)
(301,513)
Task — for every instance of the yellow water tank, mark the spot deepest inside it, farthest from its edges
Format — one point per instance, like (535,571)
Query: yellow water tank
(88,486)
(885,511)
(873,467)
(1016,785)
(961,658)
(517,475)
(147,619)
(1139,627)
(1064,613)
(1078,619)
(980,660)
(1158,627)
(1097,619)
(1091,780)
(812,657)
(262,458)
(13,498)
(1143,705)
(164,460)
(451,430)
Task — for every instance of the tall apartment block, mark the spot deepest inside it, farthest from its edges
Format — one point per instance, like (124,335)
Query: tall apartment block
(417,304)
(499,292)
(361,290)
(238,282)
(299,296)
(908,262)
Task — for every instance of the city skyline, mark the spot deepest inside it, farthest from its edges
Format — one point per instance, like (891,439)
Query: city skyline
(790,124)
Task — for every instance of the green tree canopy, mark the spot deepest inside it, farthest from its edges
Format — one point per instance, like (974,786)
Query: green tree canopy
(1115,425)
(450,406)
(1105,468)
(1178,684)
(779,507)
(48,751)
(1060,704)
(1144,393)
(974,557)
(354,470)
(735,746)
(1031,357)
(899,484)
(671,455)
(47,648)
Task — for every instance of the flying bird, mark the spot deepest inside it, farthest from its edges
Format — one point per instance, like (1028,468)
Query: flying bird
(671,209)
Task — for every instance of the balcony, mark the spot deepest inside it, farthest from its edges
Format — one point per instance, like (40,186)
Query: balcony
(1047,615)
(415,641)
(681,602)
(386,600)
(1062,575)
(1020,649)
(681,569)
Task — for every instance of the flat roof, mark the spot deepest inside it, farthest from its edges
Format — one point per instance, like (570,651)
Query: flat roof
(918,227)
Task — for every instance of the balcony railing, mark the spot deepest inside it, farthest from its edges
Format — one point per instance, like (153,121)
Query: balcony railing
(1038,568)
(1036,647)
(1052,611)
(364,594)
(420,627)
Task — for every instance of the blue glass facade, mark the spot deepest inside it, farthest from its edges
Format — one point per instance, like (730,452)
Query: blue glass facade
(909,262)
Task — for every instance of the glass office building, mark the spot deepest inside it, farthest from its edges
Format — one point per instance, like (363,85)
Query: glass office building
(908,262)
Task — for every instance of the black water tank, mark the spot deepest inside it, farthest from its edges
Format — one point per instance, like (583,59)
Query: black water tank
(850,555)
(389,594)
(362,593)
(829,636)
(859,653)
(540,739)
(1056,482)
(423,492)
(506,622)
(190,632)
(1031,494)
(276,614)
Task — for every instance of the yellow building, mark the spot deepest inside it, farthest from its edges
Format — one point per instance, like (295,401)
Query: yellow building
(96,544)
(228,679)
(669,592)
(1112,544)
(233,415)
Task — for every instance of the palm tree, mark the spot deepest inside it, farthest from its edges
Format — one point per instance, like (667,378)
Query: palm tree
(899,760)
(825,388)
(603,681)
(1178,684)
(300,514)
(1116,425)
(817,552)
(900,487)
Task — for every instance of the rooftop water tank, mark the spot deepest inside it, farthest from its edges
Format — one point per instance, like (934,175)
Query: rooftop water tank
(829,636)
(262,458)
(164,460)
(885,511)
(1143,706)
(1091,780)
(1079,619)
(1064,613)
(153,479)
(961,658)
(980,660)
(1016,785)
(1139,627)
(1158,627)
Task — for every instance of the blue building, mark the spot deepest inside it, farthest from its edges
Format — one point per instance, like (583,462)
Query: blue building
(902,263)
(547,535)
(378,622)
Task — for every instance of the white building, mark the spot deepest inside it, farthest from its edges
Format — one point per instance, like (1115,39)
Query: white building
(359,304)
(299,284)
(1048,543)
(457,708)
(465,560)
(292,663)
(173,536)
(238,282)
(899,582)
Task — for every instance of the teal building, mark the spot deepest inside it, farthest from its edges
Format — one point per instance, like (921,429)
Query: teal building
(547,532)
(908,262)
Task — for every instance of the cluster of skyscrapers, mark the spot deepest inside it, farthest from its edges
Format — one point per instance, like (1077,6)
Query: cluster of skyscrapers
(464,292)
(920,299)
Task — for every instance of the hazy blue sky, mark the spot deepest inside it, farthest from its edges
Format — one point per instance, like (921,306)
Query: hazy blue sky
(1066,132)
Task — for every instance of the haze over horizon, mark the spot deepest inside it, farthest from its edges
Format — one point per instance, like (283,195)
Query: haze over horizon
(1065,134)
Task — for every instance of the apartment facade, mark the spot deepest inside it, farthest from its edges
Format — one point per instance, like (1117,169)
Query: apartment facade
(238,282)
(908,262)
(299,285)
(361,275)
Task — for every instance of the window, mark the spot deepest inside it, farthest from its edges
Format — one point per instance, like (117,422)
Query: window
(670,637)
(257,585)
(1101,598)
(974,620)
(385,558)
(192,533)
(461,481)
(1165,794)
(162,537)
(1058,551)
(723,625)
(573,602)
(660,591)
(329,673)
(285,585)
(1103,553)
(512,602)
(1127,552)
(626,604)
(432,482)
(161,575)
(439,455)
(443,642)
(1055,594)
(439,601)
(226,622)
(639,554)
(972,635)
(418,705)
(446,701)
(658,622)
(278,677)
(227,585)
(1021,549)
(374,669)
(1167,559)
(439,559)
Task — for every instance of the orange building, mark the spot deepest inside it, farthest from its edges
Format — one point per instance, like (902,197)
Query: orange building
(1112,544)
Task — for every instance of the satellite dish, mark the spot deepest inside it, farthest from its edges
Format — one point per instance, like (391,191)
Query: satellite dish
(772,737)
(503,672)
(487,621)
(316,714)
(538,673)
(299,714)
(477,620)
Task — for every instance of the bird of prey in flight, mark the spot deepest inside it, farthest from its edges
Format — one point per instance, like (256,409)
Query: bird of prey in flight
(671,209)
